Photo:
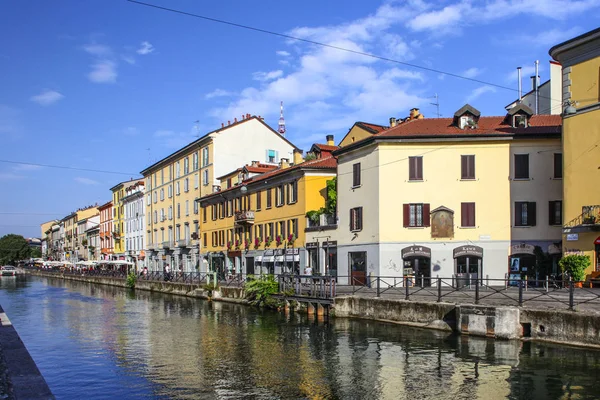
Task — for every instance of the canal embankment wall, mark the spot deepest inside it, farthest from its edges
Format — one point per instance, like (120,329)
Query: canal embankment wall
(20,377)
(580,328)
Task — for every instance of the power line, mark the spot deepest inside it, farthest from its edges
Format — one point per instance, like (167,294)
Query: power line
(26,213)
(69,168)
(362,53)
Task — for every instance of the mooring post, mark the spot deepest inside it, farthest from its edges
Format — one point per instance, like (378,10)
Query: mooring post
(407,296)
(439,287)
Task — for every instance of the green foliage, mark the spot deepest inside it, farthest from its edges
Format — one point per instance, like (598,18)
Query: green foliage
(210,287)
(13,248)
(314,215)
(310,156)
(36,252)
(84,242)
(131,279)
(259,291)
(331,204)
(575,265)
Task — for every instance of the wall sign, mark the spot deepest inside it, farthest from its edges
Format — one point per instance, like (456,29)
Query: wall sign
(572,237)
(416,251)
(330,243)
(469,250)
(312,245)
(522,248)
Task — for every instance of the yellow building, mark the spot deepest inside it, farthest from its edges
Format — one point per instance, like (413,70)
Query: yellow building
(46,236)
(450,196)
(118,193)
(360,131)
(260,225)
(175,182)
(580,59)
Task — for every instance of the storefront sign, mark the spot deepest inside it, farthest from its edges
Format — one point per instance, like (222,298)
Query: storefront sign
(572,237)
(330,243)
(416,251)
(312,245)
(217,255)
(292,251)
(291,258)
(278,252)
(522,248)
(268,253)
(555,249)
(469,250)
(257,259)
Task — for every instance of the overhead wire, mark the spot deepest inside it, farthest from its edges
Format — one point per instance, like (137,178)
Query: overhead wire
(69,168)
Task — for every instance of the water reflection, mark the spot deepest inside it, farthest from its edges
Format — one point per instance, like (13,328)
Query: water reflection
(100,341)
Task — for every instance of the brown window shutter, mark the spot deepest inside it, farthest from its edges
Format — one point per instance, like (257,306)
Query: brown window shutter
(411,168)
(518,214)
(420,168)
(406,213)
(472,167)
(426,215)
(359,218)
(351,219)
(463,167)
(531,214)
(472,215)
(463,214)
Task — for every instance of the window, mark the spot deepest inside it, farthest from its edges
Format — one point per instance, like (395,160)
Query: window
(415,168)
(269,199)
(170,191)
(204,213)
(162,194)
(280,195)
(525,213)
(270,230)
(281,230)
(229,208)
(221,210)
(416,215)
(258,205)
(205,239)
(162,176)
(519,121)
(177,169)
(154,197)
(356,219)
(521,166)
(558,165)
(205,177)
(292,194)
(178,210)
(162,214)
(186,185)
(259,231)
(187,208)
(272,156)
(195,161)
(195,207)
(196,181)
(205,156)
(170,212)
(177,188)
(467,215)
(149,198)
(214,212)
(467,167)
(356,175)
(155,216)
(186,165)
(555,212)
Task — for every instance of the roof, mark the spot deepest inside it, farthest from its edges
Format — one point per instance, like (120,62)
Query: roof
(324,147)
(520,107)
(467,108)
(105,205)
(320,163)
(574,42)
(252,169)
(373,128)
(540,125)
(206,136)
(132,182)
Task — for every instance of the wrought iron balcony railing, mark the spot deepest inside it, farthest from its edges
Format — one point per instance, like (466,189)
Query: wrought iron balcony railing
(589,220)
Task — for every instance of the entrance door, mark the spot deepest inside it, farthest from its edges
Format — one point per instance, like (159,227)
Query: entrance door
(358,267)
(250,265)
(468,269)
(421,270)
(597,256)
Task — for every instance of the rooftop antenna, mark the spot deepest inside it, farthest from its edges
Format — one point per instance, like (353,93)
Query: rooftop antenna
(281,128)
(436,104)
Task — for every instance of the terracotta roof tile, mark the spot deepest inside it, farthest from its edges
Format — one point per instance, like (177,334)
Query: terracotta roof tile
(542,124)
(326,147)
(372,127)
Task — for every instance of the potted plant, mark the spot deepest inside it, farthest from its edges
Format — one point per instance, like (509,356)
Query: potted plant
(237,244)
(257,242)
(228,245)
(589,219)
(268,241)
(246,244)
(291,238)
(278,240)
(575,265)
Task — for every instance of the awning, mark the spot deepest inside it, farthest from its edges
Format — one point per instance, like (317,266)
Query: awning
(292,258)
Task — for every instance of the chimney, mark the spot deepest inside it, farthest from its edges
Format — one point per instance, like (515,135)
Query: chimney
(534,81)
(222,124)
(255,163)
(298,157)
(247,115)
(235,120)
(228,122)
(284,163)
(330,141)
(392,122)
(414,113)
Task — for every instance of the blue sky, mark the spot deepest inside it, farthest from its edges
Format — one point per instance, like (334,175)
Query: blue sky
(111,85)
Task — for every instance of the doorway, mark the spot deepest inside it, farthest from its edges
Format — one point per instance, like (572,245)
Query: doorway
(358,267)
(421,270)
(250,265)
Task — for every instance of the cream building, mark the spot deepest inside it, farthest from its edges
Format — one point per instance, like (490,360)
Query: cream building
(135,228)
(175,182)
(445,196)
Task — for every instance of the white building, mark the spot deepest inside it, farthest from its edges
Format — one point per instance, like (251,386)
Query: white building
(549,95)
(135,238)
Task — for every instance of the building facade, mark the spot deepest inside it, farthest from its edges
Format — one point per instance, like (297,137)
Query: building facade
(175,182)
(448,196)
(135,227)
(580,60)
(106,231)
(259,226)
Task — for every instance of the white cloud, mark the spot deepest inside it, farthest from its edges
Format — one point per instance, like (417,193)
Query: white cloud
(475,94)
(282,53)
(548,38)
(218,93)
(98,50)
(103,71)
(128,59)
(439,19)
(47,97)
(9,176)
(267,76)
(86,181)
(146,48)
(163,133)
(472,72)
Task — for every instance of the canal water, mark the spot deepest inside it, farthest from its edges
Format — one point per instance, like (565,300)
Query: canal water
(98,342)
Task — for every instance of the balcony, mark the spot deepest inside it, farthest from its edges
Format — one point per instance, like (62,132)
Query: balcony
(244,217)
(326,222)
(166,245)
(151,246)
(588,221)
(183,243)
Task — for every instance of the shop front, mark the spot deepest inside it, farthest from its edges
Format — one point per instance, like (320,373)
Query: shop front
(330,249)
(216,263)
(292,261)
(468,265)
(312,248)
(522,262)
(268,262)
(417,265)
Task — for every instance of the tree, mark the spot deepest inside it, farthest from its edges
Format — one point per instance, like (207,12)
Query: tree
(36,252)
(575,265)
(13,248)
